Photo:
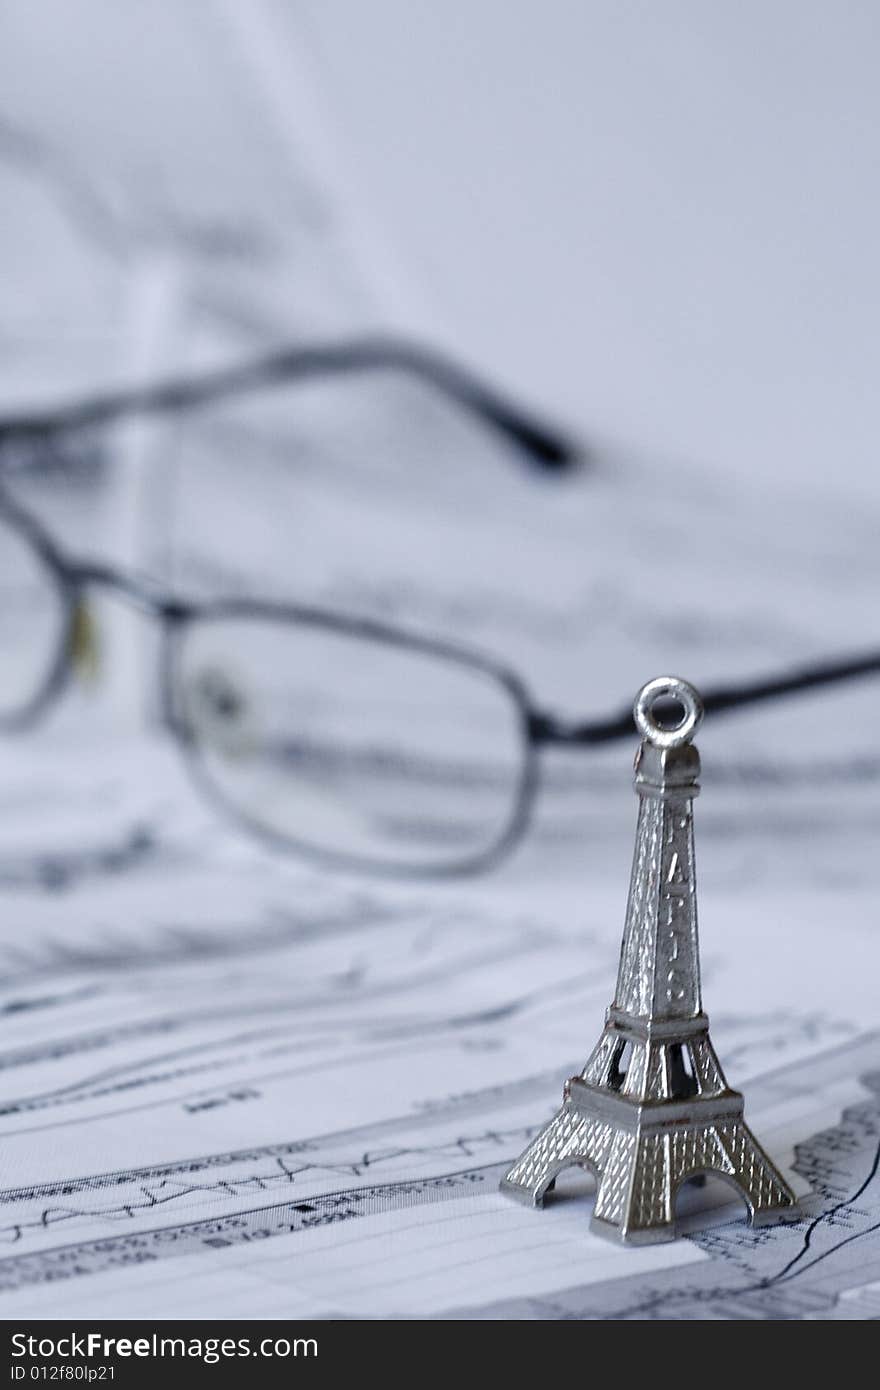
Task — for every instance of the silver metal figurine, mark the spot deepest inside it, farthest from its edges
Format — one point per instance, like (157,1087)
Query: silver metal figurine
(651,1107)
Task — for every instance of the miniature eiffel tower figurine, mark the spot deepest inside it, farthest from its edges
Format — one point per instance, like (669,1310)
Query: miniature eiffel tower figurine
(644,1126)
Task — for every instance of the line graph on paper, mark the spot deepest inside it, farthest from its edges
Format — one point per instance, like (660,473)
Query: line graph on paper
(821,1266)
(118,1061)
(316,1091)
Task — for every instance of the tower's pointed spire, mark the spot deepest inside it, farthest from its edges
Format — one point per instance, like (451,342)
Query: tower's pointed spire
(659,974)
(651,1107)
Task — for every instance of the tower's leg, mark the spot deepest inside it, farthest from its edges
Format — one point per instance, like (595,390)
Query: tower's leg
(569,1140)
(769,1196)
(634,1202)
(640,1209)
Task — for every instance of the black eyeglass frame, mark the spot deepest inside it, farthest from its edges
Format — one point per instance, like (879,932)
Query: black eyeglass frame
(537,727)
(539,445)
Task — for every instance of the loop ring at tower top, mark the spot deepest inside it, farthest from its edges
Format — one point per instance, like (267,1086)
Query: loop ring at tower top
(668,688)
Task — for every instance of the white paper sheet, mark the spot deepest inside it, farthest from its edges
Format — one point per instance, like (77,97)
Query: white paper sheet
(233,1085)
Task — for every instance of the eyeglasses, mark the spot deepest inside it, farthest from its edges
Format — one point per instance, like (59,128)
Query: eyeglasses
(360,744)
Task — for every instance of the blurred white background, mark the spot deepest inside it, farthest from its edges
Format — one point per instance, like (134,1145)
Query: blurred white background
(660,219)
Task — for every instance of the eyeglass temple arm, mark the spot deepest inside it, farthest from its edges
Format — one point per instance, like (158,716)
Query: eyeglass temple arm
(545,728)
(542,445)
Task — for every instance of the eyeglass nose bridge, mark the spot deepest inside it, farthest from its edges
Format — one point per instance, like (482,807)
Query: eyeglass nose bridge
(139,593)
